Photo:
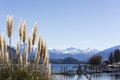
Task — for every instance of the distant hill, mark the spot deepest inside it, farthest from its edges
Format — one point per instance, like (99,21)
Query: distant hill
(68,60)
(12,52)
(71,60)
(105,53)
(72,52)
(72,55)
(68,52)
(82,55)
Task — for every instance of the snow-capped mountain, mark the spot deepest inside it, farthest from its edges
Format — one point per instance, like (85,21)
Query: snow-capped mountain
(83,55)
(105,53)
(72,52)
(68,52)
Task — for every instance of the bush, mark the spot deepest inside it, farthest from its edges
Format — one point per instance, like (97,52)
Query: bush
(95,60)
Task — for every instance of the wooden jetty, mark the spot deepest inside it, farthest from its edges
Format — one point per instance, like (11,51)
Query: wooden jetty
(87,69)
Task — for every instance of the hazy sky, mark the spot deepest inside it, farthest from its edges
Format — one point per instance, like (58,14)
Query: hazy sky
(67,23)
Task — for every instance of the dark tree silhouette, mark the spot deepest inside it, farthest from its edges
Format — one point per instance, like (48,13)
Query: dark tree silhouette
(111,58)
(95,60)
(117,55)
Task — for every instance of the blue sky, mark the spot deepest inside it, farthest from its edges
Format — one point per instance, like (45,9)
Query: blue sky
(67,23)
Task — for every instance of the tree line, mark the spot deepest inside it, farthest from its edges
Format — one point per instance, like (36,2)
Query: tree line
(114,56)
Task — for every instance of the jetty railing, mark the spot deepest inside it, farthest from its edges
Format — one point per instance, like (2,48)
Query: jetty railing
(85,69)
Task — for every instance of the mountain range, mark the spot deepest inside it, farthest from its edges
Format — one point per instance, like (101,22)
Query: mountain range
(72,52)
(82,55)
(105,53)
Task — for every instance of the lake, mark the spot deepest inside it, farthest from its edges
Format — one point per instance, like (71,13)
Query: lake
(96,76)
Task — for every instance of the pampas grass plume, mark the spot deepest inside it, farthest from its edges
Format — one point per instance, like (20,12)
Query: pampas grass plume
(5,44)
(34,33)
(37,57)
(40,43)
(21,30)
(1,41)
(24,32)
(8,25)
(21,59)
(10,22)
(29,44)
(49,70)
(7,57)
(25,57)
(18,47)
(1,47)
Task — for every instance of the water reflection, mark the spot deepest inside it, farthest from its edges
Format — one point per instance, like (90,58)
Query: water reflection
(98,76)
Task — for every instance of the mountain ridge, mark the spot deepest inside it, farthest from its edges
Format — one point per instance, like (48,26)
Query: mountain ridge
(82,55)
(106,52)
(72,52)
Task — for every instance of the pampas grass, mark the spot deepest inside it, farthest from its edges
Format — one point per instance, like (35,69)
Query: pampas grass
(24,32)
(18,47)
(21,31)
(40,69)
(34,33)
(1,42)
(29,44)
(6,57)
(5,44)
(10,22)
(40,41)
(1,48)
(25,57)
(34,37)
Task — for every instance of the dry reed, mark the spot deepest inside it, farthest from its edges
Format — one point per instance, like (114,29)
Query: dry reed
(34,33)
(5,44)
(21,30)
(1,42)
(40,43)
(24,32)
(25,57)
(10,22)
(41,53)
(7,57)
(2,48)
(29,44)
(18,47)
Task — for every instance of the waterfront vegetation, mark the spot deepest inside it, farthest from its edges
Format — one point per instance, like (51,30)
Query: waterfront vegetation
(24,66)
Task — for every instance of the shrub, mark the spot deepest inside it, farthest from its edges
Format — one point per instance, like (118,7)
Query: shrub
(95,60)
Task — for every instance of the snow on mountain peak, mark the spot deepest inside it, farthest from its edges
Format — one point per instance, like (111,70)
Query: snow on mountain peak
(89,50)
(72,50)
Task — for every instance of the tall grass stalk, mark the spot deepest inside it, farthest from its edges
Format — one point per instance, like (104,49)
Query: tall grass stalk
(34,38)
(22,69)
(1,47)
(24,33)
(10,22)
(30,47)
(21,32)
(34,34)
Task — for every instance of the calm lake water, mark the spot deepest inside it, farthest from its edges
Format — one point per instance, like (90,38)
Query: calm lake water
(102,76)
(97,76)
